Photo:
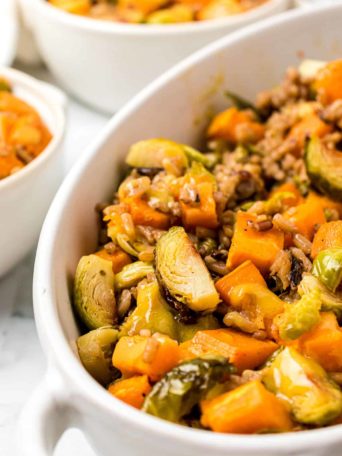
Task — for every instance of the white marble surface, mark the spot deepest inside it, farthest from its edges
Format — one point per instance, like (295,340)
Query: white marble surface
(22,363)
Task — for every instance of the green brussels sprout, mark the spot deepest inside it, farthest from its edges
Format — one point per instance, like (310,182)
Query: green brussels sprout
(152,313)
(174,14)
(186,385)
(324,167)
(327,267)
(94,297)
(194,156)
(313,397)
(95,350)
(299,317)
(182,272)
(5,85)
(131,274)
(330,301)
(187,332)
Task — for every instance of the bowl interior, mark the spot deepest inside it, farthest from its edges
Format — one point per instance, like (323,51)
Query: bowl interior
(177,106)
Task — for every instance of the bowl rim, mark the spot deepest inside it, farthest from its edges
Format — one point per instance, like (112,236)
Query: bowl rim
(113,28)
(49,325)
(55,100)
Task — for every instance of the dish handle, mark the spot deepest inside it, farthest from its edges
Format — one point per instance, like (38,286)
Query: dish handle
(44,418)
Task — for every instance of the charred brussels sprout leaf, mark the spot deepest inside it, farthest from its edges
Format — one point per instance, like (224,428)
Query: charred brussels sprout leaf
(182,272)
(327,267)
(186,385)
(94,297)
(324,167)
(95,350)
(131,274)
(313,397)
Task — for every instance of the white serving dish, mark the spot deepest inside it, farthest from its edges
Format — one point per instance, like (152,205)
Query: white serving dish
(175,106)
(105,63)
(26,195)
(8,31)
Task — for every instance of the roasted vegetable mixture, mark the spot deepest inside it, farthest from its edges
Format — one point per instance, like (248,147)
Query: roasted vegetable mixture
(156,11)
(23,134)
(215,298)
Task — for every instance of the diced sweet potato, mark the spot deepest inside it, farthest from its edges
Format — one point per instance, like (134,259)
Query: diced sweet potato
(131,390)
(119,258)
(328,236)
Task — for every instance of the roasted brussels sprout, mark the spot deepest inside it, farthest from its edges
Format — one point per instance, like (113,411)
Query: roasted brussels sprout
(94,297)
(330,301)
(299,317)
(95,350)
(183,273)
(131,274)
(313,397)
(152,313)
(324,167)
(186,385)
(327,267)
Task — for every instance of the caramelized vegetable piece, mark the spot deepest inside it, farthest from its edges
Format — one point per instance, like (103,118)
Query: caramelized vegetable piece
(328,82)
(309,126)
(291,200)
(119,258)
(328,236)
(306,217)
(173,15)
(257,304)
(324,343)
(94,297)
(153,356)
(245,273)
(95,350)
(244,352)
(327,267)
(145,6)
(152,313)
(186,332)
(219,8)
(226,125)
(143,214)
(324,201)
(248,409)
(81,7)
(182,272)
(132,273)
(131,390)
(313,397)
(261,247)
(185,386)
(324,167)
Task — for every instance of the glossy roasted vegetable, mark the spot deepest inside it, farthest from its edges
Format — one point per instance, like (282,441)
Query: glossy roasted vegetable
(329,235)
(132,273)
(94,297)
(330,301)
(173,15)
(248,409)
(182,272)
(95,350)
(327,267)
(328,81)
(313,397)
(186,385)
(151,313)
(187,331)
(324,167)
(131,390)
(299,317)
(119,258)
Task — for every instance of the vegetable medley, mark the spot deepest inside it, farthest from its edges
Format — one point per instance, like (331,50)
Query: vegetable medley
(23,134)
(215,297)
(156,11)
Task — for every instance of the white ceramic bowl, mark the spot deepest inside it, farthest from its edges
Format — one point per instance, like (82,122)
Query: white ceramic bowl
(8,31)
(105,63)
(26,195)
(175,106)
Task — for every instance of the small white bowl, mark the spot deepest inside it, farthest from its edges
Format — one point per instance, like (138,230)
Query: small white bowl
(25,196)
(8,31)
(105,63)
(174,106)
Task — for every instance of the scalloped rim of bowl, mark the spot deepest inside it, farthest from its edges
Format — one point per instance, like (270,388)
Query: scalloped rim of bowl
(49,325)
(108,27)
(56,101)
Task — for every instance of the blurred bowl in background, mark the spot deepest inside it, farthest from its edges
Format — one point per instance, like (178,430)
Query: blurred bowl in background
(8,31)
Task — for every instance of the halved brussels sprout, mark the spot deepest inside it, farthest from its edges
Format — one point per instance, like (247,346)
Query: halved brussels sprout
(95,350)
(324,167)
(314,398)
(299,317)
(330,301)
(182,272)
(94,296)
(152,313)
(186,385)
(327,267)
(131,274)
